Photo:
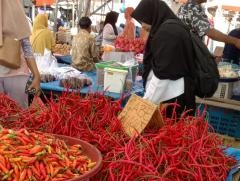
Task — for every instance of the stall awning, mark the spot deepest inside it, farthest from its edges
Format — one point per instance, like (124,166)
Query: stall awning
(231,8)
(44,2)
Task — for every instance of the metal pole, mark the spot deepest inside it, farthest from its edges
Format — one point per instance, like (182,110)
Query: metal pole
(45,7)
(80,7)
(87,8)
(33,13)
(55,17)
(73,13)
(99,8)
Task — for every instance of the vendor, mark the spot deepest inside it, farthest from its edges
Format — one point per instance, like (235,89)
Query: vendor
(129,30)
(84,49)
(110,31)
(231,53)
(42,38)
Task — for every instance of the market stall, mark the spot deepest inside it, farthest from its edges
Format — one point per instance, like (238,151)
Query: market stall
(57,89)
(190,152)
(99,127)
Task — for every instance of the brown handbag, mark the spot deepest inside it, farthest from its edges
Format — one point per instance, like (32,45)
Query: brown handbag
(10,53)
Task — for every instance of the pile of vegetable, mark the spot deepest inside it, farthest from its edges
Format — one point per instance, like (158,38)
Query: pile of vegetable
(182,152)
(38,156)
(136,45)
(92,119)
(62,49)
(185,148)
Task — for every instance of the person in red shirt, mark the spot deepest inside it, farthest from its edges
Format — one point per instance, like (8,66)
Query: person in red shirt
(129,30)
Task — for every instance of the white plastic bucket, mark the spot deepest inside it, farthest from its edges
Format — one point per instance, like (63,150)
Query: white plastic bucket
(114,80)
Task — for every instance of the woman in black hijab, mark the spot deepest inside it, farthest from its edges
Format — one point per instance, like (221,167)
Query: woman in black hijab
(110,31)
(167,58)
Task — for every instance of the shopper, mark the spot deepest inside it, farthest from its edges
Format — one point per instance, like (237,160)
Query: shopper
(42,38)
(231,53)
(129,30)
(194,16)
(13,82)
(168,53)
(84,50)
(110,31)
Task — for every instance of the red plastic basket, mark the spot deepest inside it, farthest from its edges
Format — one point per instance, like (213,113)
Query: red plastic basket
(91,151)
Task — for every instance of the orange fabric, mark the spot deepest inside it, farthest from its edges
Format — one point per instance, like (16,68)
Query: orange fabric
(44,2)
(129,29)
(144,35)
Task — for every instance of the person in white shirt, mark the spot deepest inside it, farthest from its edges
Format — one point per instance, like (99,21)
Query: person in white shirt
(110,31)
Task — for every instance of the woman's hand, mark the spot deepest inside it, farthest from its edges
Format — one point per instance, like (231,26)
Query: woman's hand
(36,76)
(35,85)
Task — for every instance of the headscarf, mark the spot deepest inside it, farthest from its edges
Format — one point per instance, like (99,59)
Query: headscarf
(13,22)
(128,13)
(111,18)
(129,28)
(40,22)
(154,13)
(42,37)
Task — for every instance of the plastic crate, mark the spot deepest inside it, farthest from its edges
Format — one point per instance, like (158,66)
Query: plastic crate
(224,90)
(112,64)
(224,121)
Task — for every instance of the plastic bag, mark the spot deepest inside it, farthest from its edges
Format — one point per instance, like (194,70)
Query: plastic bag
(118,56)
(66,72)
(46,63)
(132,65)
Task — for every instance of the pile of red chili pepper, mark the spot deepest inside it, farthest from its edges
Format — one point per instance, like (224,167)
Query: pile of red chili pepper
(92,118)
(183,150)
(39,156)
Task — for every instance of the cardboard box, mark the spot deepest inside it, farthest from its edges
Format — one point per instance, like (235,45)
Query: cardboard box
(139,114)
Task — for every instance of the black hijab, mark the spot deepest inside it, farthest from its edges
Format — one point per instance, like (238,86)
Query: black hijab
(154,13)
(111,18)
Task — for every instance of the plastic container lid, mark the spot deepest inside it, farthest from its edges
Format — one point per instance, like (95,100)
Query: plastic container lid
(112,64)
(115,70)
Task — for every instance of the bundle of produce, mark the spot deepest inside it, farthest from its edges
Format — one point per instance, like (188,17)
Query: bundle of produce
(75,82)
(62,49)
(47,77)
(186,148)
(126,45)
(8,107)
(38,156)
(63,29)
